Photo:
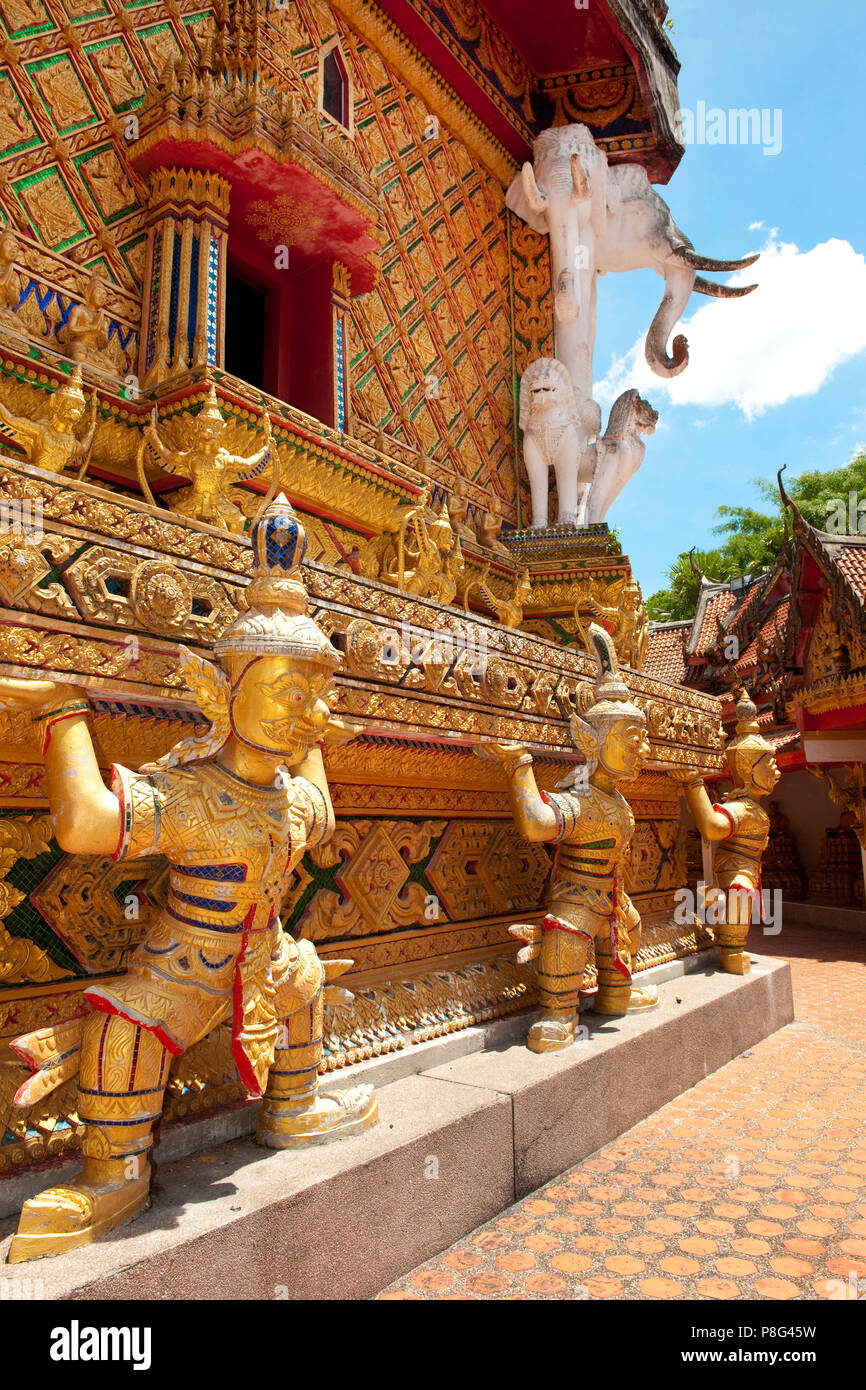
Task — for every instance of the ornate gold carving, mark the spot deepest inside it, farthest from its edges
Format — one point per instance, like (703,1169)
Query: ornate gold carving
(370,21)
(23,567)
(22,837)
(100,909)
(10,280)
(508,611)
(210,466)
(51,442)
(833,653)
(626,620)
(377,859)
(115,587)
(419,553)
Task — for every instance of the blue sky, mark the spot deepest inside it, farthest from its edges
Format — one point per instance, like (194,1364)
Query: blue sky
(750,399)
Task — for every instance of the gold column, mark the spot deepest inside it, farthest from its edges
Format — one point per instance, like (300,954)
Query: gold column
(184,275)
(200,344)
(188,201)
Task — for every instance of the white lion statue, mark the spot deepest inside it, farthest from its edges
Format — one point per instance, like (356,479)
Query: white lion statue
(557,428)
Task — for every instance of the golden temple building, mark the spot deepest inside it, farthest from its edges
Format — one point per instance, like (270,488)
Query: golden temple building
(252,248)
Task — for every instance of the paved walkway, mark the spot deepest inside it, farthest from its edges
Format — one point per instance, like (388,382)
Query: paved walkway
(750,1185)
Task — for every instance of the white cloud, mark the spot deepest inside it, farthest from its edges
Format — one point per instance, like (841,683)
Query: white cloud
(755,226)
(785,340)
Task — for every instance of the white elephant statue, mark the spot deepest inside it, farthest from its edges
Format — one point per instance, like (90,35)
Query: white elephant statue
(602,218)
(557,428)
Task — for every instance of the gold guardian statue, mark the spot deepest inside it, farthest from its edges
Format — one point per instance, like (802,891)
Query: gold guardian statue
(211,468)
(233,810)
(586,900)
(52,441)
(742,828)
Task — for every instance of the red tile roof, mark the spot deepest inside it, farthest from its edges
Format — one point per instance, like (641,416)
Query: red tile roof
(712,607)
(851,560)
(665,655)
(777,621)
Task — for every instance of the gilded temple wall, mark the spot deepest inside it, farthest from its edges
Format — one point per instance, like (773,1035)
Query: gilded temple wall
(462,302)
(426,870)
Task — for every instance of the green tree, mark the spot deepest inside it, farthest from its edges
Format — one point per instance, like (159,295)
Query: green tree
(754,539)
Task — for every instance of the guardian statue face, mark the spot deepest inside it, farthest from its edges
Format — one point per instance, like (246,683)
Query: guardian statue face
(765,773)
(625,750)
(281,707)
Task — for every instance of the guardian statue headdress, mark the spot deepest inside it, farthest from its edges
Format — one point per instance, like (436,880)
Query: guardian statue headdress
(612,701)
(275,623)
(749,744)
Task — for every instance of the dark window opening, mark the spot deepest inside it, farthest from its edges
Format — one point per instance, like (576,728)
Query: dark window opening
(279,334)
(335,88)
(246,310)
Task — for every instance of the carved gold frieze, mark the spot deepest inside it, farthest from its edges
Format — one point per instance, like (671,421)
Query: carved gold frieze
(832,651)
(116,587)
(100,910)
(26,561)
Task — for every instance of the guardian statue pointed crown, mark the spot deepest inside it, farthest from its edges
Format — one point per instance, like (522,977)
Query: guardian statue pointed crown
(749,744)
(276,621)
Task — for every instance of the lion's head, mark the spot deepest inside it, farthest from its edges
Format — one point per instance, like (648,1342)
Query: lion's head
(547,395)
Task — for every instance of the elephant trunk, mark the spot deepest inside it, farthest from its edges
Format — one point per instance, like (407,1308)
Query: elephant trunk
(679,283)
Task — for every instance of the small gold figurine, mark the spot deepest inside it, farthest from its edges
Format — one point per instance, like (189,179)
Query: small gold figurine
(210,467)
(419,553)
(458,511)
(627,623)
(509,611)
(233,810)
(51,441)
(490,528)
(742,826)
(85,334)
(10,280)
(586,900)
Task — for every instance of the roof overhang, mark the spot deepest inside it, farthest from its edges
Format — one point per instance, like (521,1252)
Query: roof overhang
(497,60)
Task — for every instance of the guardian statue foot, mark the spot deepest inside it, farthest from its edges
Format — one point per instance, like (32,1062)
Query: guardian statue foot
(734,962)
(642,1000)
(551,1033)
(317,1119)
(63,1218)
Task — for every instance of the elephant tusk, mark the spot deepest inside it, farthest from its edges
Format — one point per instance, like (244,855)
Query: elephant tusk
(697,262)
(534,197)
(721,291)
(580,178)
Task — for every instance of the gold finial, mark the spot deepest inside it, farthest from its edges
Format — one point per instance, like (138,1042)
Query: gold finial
(747,715)
(276,622)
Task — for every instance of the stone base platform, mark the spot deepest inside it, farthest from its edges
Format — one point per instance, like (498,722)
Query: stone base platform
(851,919)
(455,1145)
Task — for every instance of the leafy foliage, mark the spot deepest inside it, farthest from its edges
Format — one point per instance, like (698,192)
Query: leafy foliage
(754,539)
